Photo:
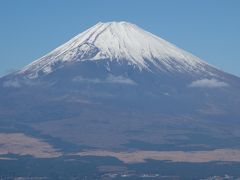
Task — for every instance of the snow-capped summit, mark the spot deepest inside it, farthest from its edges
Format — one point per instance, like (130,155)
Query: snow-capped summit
(117,41)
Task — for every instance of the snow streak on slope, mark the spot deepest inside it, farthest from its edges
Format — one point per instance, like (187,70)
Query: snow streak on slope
(118,41)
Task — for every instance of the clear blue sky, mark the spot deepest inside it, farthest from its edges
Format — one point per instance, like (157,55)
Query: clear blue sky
(210,29)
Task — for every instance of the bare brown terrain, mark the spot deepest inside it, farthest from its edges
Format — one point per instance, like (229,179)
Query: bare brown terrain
(20,144)
(224,155)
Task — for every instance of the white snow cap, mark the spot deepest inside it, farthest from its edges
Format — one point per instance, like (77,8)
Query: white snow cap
(118,41)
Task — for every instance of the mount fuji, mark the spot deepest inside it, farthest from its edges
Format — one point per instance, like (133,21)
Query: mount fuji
(117,86)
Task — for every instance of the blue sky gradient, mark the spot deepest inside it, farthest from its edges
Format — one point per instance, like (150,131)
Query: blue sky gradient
(208,29)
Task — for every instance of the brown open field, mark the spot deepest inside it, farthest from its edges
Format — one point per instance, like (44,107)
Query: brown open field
(224,155)
(20,144)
